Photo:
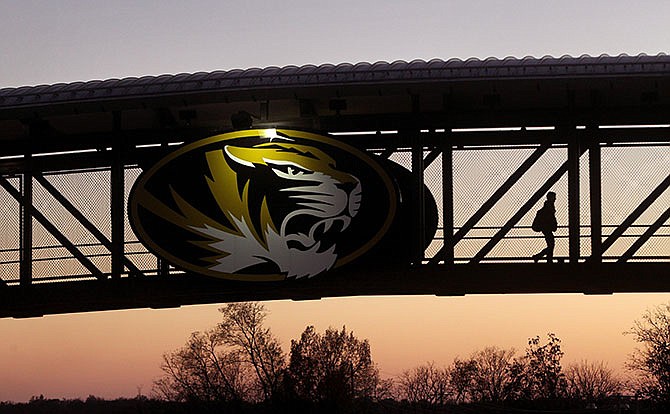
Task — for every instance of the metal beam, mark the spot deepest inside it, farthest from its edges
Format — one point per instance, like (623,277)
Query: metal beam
(53,230)
(189,289)
(26,228)
(83,220)
(596,200)
(163,267)
(496,196)
(117,197)
(551,181)
(447,204)
(574,154)
(420,220)
(635,214)
(26,213)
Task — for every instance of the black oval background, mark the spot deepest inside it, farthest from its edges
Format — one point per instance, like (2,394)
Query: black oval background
(185,170)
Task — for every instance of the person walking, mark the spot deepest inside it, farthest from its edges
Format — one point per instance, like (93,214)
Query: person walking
(545,222)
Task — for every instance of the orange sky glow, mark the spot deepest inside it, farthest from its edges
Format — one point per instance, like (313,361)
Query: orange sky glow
(118,353)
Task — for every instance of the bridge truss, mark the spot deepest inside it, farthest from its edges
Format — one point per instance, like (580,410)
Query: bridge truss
(488,148)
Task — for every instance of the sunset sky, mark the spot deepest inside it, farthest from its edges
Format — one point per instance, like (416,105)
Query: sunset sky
(114,354)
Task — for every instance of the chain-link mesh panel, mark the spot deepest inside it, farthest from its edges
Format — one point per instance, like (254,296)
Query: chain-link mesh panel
(134,250)
(629,176)
(9,235)
(50,259)
(89,194)
(478,173)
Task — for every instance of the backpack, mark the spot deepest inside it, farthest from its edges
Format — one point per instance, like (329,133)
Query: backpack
(544,220)
(539,221)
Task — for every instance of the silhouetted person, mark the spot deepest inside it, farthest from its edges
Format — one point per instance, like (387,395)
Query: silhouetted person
(545,222)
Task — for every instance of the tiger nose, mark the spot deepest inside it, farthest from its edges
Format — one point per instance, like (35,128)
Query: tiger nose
(347,187)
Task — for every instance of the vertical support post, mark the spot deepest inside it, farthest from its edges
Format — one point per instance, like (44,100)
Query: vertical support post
(162,266)
(448,201)
(419,221)
(117,212)
(596,197)
(26,237)
(573,196)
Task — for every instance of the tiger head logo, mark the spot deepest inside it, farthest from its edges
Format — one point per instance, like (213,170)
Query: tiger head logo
(238,207)
(291,218)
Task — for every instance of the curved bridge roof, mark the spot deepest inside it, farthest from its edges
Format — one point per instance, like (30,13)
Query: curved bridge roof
(363,73)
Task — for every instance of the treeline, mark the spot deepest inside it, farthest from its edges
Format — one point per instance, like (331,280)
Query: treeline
(94,405)
(239,366)
(240,360)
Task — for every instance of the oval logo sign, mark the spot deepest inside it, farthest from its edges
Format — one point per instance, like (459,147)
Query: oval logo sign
(262,205)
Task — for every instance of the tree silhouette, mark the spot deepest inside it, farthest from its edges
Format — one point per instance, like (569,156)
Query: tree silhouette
(202,371)
(238,360)
(462,377)
(335,366)
(242,329)
(544,376)
(591,381)
(493,375)
(651,361)
(426,384)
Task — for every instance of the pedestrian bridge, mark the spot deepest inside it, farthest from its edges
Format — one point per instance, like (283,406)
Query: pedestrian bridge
(485,139)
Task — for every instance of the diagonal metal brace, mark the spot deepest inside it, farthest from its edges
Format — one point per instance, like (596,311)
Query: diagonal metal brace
(54,231)
(523,210)
(636,214)
(645,236)
(495,197)
(84,221)
(431,156)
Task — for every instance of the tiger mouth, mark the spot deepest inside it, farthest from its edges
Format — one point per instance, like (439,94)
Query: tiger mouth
(323,234)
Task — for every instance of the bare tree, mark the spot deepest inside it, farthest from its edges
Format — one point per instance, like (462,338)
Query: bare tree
(242,329)
(202,371)
(462,377)
(335,366)
(425,384)
(651,361)
(493,379)
(240,359)
(591,381)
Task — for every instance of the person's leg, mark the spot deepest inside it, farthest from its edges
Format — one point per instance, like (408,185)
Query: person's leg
(551,242)
(544,251)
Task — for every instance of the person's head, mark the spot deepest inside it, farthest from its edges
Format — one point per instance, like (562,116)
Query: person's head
(551,196)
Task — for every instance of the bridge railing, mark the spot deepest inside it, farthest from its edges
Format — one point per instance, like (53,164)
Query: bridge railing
(486,206)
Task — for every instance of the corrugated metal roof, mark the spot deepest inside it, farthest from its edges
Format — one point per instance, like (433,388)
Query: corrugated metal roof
(344,73)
